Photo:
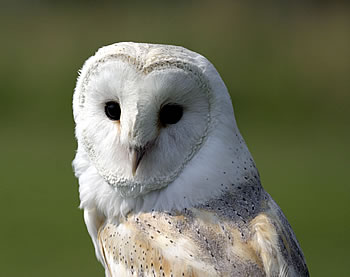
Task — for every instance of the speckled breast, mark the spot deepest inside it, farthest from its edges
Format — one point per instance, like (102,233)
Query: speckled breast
(209,240)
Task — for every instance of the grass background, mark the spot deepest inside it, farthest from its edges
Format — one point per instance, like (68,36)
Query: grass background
(287,67)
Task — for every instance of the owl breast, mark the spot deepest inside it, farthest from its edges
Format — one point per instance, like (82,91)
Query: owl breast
(201,241)
(228,236)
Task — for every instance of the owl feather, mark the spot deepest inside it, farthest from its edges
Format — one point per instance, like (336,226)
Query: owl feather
(166,181)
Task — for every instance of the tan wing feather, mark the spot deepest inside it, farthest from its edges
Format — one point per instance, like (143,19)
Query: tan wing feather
(196,243)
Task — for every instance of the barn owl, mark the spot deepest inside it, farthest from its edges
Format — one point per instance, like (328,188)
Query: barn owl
(166,181)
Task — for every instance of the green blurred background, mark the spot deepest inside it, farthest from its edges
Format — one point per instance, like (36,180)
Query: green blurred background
(287,66)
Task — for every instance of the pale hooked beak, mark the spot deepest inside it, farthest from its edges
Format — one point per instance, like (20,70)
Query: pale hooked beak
(136,154)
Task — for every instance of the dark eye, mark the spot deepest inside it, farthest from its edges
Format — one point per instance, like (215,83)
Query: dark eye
(112,110)
(170,114)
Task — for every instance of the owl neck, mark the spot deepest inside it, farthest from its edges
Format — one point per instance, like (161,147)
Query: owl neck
(222,165)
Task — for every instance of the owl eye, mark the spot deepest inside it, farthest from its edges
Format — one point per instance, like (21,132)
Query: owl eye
(112,110)
(170,114)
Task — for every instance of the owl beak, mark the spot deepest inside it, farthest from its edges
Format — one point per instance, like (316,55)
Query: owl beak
(136,155)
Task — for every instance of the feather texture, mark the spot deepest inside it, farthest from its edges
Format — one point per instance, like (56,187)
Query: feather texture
(193,204)
(199,242)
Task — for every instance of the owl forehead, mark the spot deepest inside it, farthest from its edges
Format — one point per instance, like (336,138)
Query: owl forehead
(124,82)
(124,74)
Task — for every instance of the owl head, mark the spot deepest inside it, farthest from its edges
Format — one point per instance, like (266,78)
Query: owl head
(153,117)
